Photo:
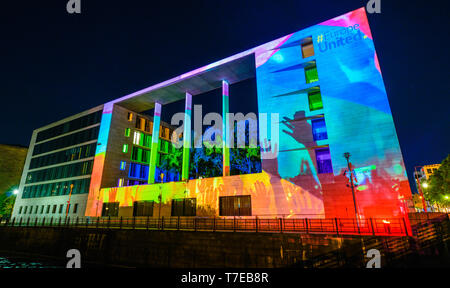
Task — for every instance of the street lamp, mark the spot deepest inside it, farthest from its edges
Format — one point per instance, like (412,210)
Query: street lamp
(425,185)
(347,156)
(416,176)
(68,202)
(16,191)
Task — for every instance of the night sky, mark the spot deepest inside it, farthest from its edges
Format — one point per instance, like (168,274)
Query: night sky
(54,64)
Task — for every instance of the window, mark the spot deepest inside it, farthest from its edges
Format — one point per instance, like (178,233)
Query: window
(31,209)
(125,148)
(48,209)
(184,207)
(127,132)
(319,129)
(75,208)
(311,74)
(130,116)
(143,208)
(120,182)
(307,47)
(42,209)
(61,207)
(110,209)
(54,209)
(429,171)
(123,165)
(138,171)
(235,206)
(323,159)
(315,100)
(20,210)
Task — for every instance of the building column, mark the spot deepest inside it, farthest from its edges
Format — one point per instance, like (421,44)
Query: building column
(186,137)
(155,142)
(225,129)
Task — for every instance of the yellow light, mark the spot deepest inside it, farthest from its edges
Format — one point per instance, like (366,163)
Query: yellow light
(425,185)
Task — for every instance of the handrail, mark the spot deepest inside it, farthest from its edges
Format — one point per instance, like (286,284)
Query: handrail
(332,226)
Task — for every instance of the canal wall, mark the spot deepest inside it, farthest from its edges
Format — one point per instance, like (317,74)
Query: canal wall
(201,249)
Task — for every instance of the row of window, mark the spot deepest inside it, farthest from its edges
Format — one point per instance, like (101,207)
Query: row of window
(319,130)
(70,126)
(80,186)
(69,140)
(72,154)
(147,126)
(53,209)
(228,206)
(60,172)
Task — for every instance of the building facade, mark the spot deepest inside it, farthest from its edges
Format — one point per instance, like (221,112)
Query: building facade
(320,94)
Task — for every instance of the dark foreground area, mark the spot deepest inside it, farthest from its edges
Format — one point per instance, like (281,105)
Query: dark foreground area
(21,247)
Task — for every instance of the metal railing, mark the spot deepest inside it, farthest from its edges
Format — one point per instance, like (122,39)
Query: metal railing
(335,226)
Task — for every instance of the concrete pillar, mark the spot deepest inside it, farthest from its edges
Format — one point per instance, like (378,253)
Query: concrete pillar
(225,129)
(186,137)
(155,142)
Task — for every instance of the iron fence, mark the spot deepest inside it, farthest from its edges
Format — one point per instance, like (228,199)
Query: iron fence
(335,226)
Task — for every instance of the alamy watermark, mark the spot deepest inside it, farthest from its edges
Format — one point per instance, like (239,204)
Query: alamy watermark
(214,136)
(73,6)
(373,6)
(375,261)
(75,258)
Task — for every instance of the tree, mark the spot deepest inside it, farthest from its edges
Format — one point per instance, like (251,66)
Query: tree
(6,205)
(438,190)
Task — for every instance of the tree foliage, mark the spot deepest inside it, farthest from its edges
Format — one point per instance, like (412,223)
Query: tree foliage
(6,205)
(438,190)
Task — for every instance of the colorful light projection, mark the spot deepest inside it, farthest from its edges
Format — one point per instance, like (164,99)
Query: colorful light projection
(155,141)
(93,207)
(355,109)
(268,198)
(186,137)
(358,119)
(225,128)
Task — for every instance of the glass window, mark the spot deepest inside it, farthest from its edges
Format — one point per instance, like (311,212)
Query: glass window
(319,129)
(315,100)
(143,208)
(130,116)
(75,208)
(123,165)
(307,47)
(110,209)
(127,132)
(323,159)
(235,206)
(125,148)
(184,207)
(311,74)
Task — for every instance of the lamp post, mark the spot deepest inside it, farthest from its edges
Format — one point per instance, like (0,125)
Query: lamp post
(160,194)
(420,189)
(68,202)
(347,156)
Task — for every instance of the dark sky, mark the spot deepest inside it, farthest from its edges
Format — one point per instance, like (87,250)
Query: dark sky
(54,64)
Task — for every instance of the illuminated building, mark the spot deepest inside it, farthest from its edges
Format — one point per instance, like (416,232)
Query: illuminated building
(321,86)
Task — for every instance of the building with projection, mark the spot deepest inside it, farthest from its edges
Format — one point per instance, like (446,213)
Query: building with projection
(320,94)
